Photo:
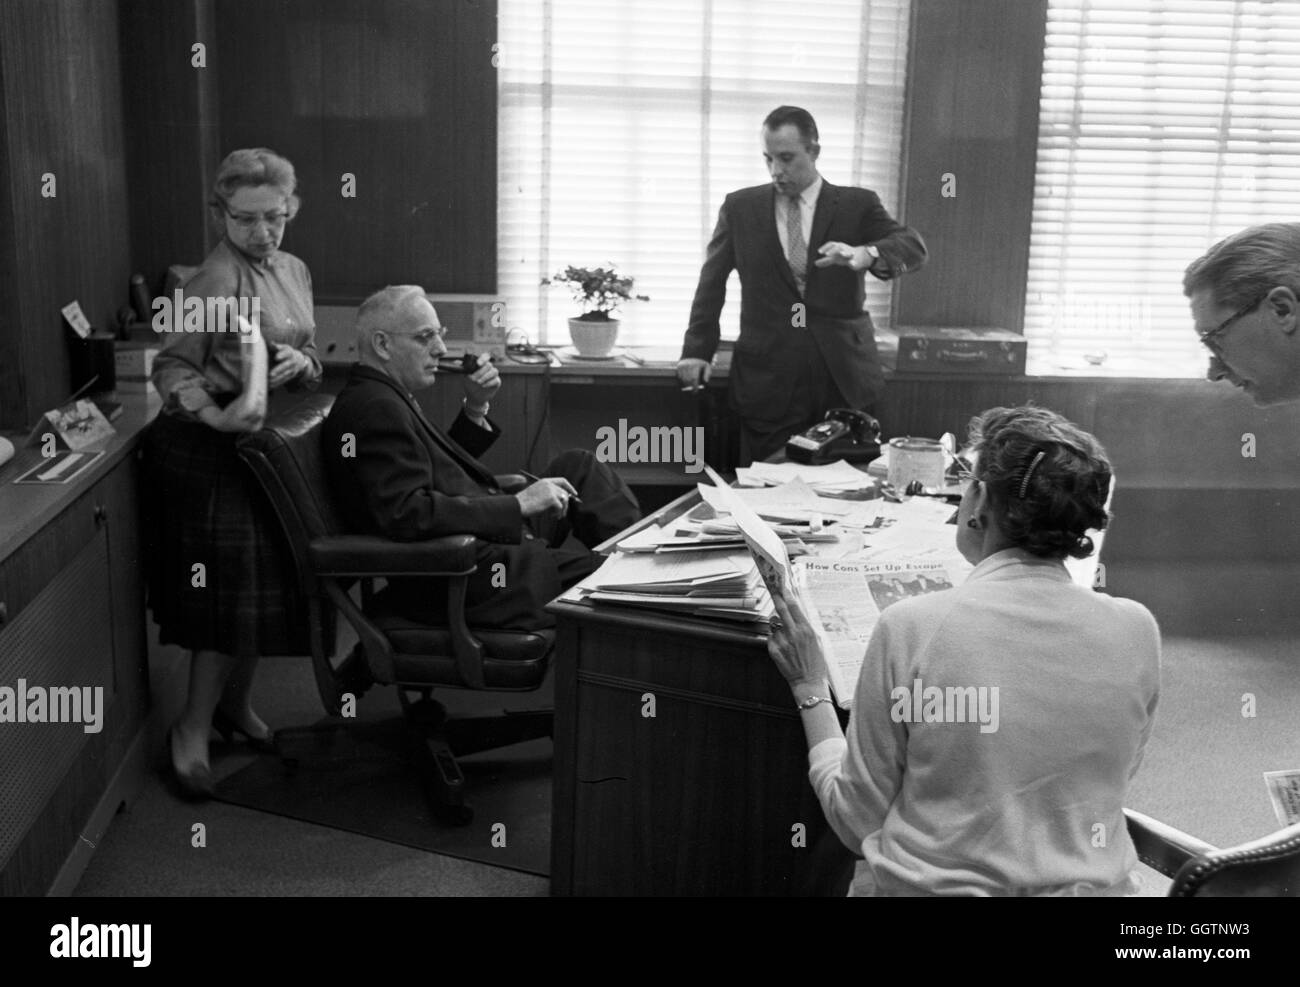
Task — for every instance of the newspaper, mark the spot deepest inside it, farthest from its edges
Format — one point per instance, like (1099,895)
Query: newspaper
(765,545)
(846,599)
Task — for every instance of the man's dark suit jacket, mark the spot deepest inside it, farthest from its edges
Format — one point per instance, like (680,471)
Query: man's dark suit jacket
(409,480)
(746,240)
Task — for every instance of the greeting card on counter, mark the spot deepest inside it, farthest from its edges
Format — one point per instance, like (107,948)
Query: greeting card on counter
(74,426)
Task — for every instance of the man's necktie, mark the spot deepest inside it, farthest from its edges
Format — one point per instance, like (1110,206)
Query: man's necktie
(796,246)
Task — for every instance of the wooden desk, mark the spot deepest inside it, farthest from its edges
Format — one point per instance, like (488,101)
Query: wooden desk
(706,796)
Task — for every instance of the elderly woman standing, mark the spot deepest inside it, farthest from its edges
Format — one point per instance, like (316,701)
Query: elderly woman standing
(221,583)
(1028,800)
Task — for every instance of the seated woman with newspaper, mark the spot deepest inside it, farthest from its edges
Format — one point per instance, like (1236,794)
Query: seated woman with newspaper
(996,725)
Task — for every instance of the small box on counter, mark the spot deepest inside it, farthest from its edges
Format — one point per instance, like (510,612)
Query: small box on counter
(951,350)
(134,360)
(134,363)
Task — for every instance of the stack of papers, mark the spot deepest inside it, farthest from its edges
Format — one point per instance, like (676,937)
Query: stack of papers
(793,511)
(837,477)
(726,586)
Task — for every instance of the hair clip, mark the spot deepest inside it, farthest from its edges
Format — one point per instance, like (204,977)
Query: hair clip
(1024,484)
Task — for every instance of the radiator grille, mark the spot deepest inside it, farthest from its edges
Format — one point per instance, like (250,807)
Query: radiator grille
(64,637)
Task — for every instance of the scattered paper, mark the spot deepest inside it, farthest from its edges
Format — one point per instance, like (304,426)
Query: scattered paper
(645,540)
(795,500)
(836,476)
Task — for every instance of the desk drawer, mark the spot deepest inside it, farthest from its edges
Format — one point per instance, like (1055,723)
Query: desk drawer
(732,672)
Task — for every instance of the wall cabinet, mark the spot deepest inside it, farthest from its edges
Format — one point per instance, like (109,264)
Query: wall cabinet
(72,600)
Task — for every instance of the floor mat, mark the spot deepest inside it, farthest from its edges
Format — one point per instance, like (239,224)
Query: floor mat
(368,786)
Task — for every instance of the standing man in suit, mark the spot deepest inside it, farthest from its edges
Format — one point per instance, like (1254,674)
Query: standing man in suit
(398,475)
(1245,298)
(801,246)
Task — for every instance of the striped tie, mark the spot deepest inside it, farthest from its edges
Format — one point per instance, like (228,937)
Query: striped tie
(796,246)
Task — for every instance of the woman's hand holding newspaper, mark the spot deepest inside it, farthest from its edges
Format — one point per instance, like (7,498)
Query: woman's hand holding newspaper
(793,643)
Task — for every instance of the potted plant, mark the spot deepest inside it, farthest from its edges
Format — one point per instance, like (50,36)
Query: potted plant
(601,291)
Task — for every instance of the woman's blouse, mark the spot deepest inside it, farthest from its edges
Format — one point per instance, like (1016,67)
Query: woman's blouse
(1010,779)
(198,368)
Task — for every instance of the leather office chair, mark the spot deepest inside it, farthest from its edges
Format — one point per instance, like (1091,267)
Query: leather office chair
(287,458)
(1268,867)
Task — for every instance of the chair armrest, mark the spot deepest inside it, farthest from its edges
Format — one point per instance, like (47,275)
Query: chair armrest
(369,555)
(511,482)
(1161,846)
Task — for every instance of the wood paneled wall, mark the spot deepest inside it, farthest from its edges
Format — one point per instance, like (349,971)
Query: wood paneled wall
(399,94)
(974,71)
(172,131)
(60,114)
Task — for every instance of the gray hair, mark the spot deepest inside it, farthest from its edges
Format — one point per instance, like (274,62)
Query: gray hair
(1247,265)
(251,167)
(382,310)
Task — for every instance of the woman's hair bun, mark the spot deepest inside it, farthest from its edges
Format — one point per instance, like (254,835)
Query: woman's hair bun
(1048,479)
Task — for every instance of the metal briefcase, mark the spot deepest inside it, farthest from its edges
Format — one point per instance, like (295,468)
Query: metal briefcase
(951,350)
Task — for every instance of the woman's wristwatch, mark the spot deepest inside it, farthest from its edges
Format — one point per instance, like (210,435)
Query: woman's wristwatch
(812,701)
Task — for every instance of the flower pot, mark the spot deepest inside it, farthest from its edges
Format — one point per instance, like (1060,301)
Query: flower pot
(593,339)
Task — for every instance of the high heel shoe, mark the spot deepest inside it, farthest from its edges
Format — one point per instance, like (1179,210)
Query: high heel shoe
(228,728)
(197,786)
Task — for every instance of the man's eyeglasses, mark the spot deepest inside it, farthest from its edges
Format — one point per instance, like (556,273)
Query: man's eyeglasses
(275,220)
(424,337)
(1211,337)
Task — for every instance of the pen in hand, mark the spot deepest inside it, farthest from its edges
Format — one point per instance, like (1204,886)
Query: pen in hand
(537,479)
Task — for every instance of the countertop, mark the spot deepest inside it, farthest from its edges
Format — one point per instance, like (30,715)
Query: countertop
(27,508)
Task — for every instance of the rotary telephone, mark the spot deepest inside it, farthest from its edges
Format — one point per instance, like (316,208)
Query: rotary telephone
(853,436)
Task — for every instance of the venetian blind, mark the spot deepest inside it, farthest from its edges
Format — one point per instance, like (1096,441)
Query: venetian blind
(1165,125)
(623,125)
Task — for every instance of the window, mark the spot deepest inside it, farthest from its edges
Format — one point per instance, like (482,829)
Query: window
(1165,125)
(623,126)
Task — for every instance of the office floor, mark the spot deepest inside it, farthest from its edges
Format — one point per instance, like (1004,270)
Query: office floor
(1202,773)
(147,849)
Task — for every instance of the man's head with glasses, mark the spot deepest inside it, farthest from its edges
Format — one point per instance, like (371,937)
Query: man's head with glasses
(1245,300)
(398,333)
(253,196)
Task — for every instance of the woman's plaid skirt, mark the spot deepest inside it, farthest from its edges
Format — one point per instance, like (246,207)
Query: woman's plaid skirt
(220,574)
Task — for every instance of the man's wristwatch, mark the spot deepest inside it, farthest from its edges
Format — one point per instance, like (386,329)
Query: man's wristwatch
(874,253)
(476,412)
